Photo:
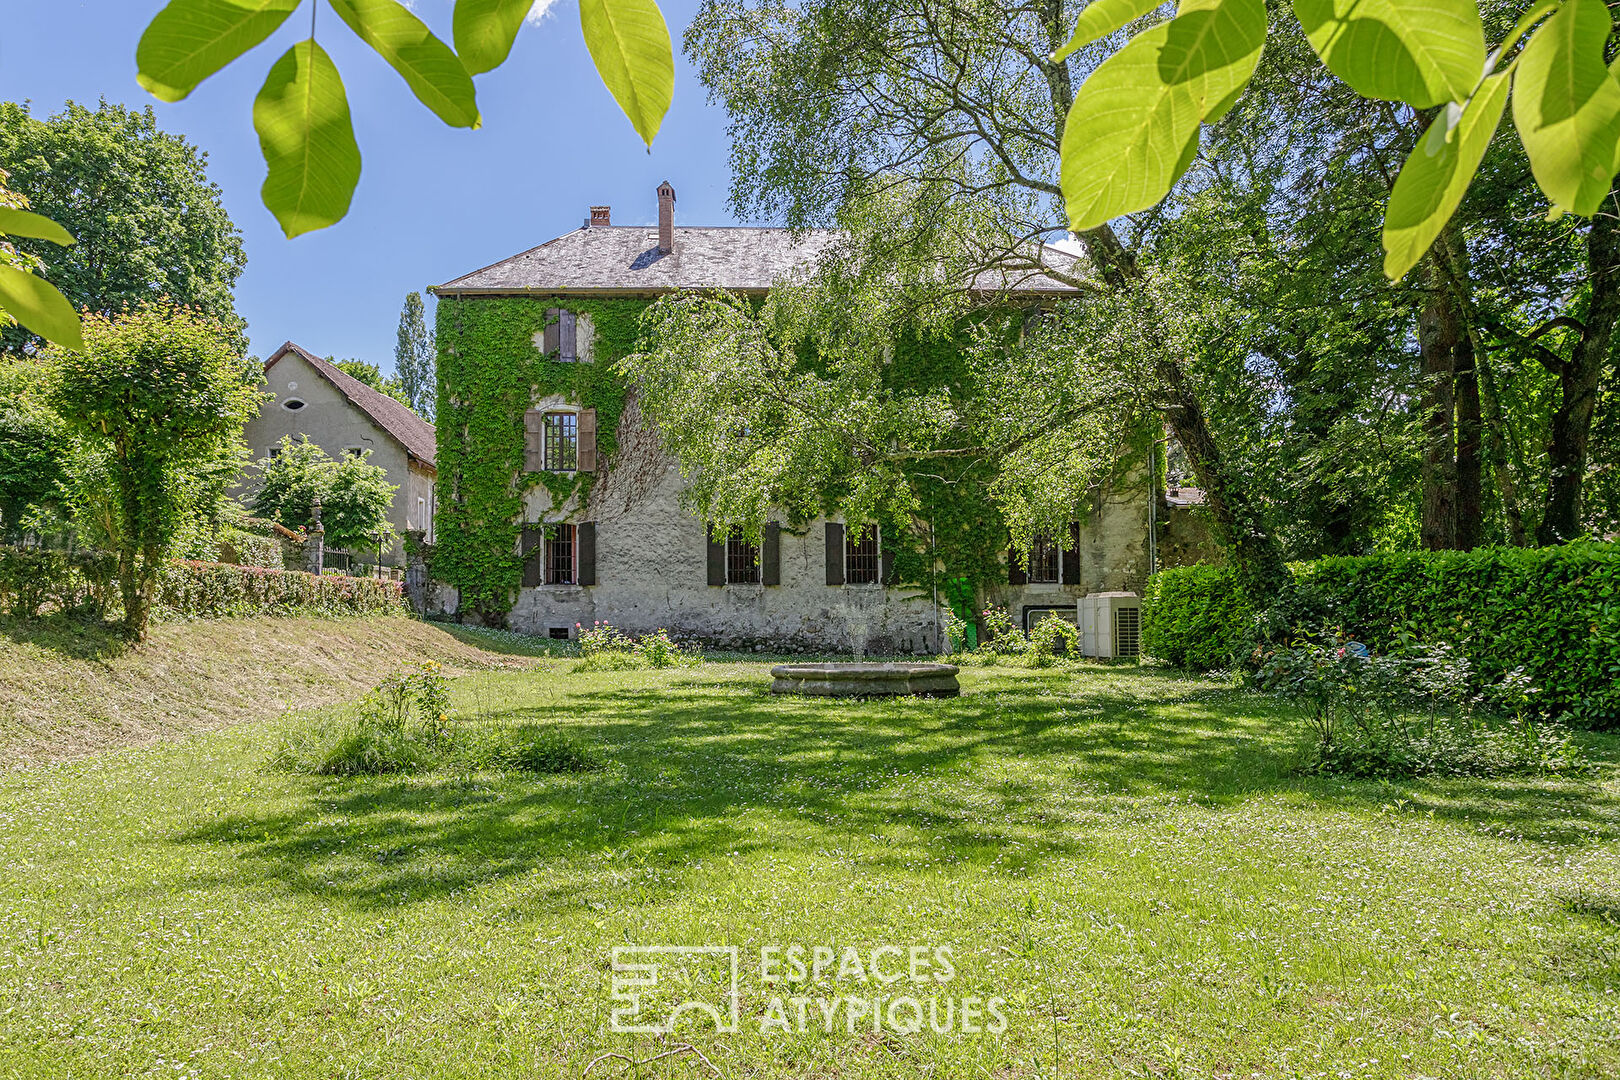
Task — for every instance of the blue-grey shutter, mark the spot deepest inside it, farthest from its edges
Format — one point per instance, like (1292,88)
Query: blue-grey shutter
(717,559)
(585,541)
(770,557)
(835,553)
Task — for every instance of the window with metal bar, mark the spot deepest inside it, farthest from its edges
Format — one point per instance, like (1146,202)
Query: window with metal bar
(560,560)
(561,441)
(861,563)
(742,561)
(1043,562)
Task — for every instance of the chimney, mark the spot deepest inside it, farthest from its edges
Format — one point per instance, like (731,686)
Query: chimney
(666,218)
(601,215)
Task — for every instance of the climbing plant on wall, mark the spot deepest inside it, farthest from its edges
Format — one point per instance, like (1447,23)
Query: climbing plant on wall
(491,372)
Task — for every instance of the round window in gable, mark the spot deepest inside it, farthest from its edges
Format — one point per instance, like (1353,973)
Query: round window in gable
(292,404)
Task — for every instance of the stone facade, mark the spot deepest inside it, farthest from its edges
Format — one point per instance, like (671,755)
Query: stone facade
(332,420)
(651,573)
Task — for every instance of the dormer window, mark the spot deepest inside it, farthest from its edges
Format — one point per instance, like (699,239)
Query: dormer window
(293,404)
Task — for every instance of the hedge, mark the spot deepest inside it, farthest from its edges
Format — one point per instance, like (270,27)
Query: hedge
(77,581)
(216,590)
(1554,612)
(1195,617)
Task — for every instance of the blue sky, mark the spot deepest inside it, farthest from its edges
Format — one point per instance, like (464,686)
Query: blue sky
(433,202)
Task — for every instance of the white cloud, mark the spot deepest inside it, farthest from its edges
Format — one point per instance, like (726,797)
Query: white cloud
(540,10)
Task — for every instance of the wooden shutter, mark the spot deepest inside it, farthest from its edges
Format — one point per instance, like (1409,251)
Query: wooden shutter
(1071,556)
(552,341)
(770,557)
(566,336)
(587,440)
(1016,574)
(585,544)
(888,559)
(835,553)
(533,545)
(717,559)
(534,423)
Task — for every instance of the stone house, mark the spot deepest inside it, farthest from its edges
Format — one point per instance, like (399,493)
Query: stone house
(342,415)
(588,503)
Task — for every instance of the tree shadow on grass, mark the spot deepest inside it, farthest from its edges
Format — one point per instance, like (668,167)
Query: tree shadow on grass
(71,635)
(709,768)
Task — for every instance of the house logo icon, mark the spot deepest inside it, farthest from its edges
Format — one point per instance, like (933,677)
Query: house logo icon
(655,987)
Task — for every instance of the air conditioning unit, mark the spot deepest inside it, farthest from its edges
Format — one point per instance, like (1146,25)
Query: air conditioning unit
(1111,625)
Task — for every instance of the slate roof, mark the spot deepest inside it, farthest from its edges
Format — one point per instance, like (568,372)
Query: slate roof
(409,430)
(625,259)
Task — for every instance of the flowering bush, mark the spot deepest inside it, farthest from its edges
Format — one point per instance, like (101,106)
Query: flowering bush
(1412,712)
(1002,636)
(217,590)
(603,647)
(1051,636)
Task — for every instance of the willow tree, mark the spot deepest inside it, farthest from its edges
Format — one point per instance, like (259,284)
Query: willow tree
(933,130)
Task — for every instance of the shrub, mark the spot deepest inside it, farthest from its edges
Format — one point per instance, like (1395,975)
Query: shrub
(1003,638)
(1552,613)
(218,590)
(1195,617)
(1412,713)
(1053,635)
(77,582)
(603,647)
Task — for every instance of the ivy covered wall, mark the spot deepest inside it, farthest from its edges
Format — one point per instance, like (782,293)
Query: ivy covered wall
(490,373)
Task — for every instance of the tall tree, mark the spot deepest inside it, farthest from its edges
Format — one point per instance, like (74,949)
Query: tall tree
(163,391)
(148,222)
(414,362)
(938,124)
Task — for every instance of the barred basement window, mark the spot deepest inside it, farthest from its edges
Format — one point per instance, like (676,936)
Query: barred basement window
(1043,562)
(560,560)
(742,561)
(561,441)
(861,563)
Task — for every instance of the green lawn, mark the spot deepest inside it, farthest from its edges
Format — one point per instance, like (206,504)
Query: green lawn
(1124,856)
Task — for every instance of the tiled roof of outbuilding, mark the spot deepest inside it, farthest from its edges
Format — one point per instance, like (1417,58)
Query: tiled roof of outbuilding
(625,258)
(409,430)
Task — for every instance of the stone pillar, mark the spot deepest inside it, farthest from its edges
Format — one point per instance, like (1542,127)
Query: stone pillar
(416,571)
(315,547)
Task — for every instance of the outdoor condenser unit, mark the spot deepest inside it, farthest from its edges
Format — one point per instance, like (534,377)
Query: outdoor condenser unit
(1111,624)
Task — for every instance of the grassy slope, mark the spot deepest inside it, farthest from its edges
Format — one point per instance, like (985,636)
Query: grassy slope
(1123,855)
(67,688)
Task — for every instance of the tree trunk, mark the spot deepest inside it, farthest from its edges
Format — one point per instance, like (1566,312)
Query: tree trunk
(1470,532)
(1438,330)
(1571,427)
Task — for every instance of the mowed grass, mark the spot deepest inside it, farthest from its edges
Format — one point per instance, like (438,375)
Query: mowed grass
(1124,856)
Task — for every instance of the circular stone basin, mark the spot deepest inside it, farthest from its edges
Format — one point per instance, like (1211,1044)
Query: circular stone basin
(866,680)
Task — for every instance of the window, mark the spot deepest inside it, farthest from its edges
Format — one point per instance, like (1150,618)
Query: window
(742,561)
(560,439)
(560,554)
(560,337)
(861,562)
(273,453)
(292,404)
(559,633)
(354,452)
(1043,562)
(421,517)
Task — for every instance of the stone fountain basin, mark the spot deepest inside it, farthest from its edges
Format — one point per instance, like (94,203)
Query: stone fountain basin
(866,680)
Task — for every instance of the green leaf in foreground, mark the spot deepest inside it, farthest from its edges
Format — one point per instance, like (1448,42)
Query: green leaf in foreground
(36,226)
(38,306)
(484,31)
(1100,18)
(630,44)
(1437,174)
(1566,105)
(302,118)
(189,40)
(1422,52)
(1133,128)
(432,71)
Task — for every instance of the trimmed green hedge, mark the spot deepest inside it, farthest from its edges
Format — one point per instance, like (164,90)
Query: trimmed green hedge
(1195,617)
(217,590)
(1555,612)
